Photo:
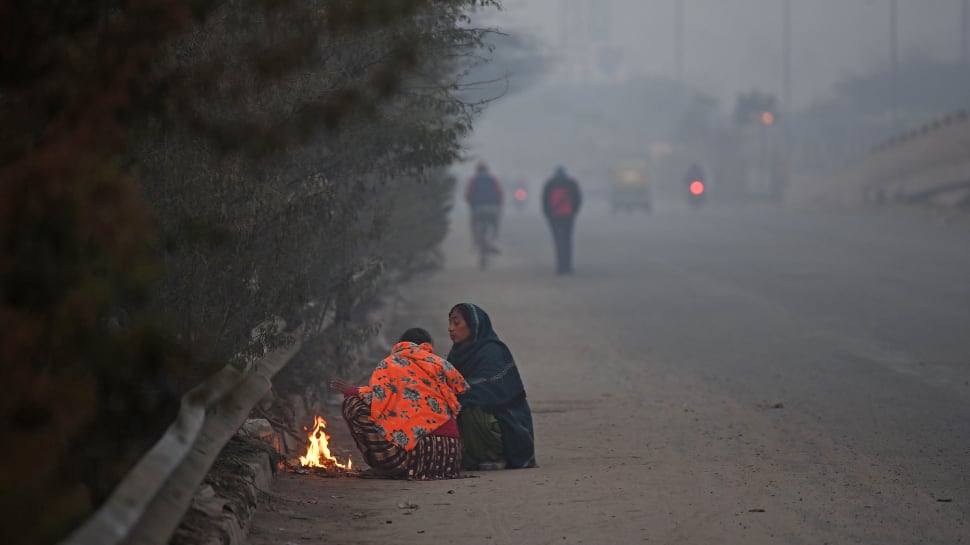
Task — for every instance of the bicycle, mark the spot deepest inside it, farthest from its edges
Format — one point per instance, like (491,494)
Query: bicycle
(484,232)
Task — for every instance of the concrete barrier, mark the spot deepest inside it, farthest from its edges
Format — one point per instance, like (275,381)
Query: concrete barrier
(149,503)
(927,165)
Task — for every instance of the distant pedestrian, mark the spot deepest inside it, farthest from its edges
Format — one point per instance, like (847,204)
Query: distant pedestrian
(561,200)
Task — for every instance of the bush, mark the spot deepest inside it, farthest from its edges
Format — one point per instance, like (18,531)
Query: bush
(174,174)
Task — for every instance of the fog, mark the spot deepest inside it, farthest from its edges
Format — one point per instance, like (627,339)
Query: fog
(733,45)
(588,84)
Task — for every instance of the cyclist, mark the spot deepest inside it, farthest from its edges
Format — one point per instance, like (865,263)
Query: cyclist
(484,196)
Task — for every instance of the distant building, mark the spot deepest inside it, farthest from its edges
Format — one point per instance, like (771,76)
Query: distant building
(587,51)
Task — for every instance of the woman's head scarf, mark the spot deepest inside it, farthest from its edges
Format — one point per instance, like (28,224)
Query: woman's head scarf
(494,385)
(481,333)
(485,362)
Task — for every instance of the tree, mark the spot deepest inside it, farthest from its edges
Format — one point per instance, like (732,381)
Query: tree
(176,172)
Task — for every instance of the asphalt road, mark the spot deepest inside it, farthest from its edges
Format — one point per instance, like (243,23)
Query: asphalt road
(733,374)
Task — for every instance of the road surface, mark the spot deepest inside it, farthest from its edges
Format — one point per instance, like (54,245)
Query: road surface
(739,374)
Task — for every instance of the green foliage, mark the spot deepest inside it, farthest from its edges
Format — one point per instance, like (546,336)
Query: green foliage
(175,173)
(510,63)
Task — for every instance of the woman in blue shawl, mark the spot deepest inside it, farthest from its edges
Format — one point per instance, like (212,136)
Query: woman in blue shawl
(495,421)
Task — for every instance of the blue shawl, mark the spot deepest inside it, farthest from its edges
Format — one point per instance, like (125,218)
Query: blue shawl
(495,385)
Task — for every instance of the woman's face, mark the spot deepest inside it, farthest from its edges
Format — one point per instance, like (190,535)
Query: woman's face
(457,328)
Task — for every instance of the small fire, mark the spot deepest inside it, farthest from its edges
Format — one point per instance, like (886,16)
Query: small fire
(318,453)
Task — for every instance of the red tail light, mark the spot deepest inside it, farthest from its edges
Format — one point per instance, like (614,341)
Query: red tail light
(520,194)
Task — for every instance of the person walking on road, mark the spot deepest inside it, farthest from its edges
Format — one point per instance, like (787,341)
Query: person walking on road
(484,195)
(495,421)
(404,419)
(561,200)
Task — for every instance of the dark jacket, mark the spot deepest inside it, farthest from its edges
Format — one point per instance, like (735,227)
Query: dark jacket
(484,189)
(561,196)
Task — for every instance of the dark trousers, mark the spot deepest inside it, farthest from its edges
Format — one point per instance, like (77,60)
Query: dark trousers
(562,236)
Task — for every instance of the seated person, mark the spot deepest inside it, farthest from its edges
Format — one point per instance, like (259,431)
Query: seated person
(495,421)
(403,420)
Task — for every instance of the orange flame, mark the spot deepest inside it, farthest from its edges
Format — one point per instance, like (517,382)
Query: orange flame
(318,453)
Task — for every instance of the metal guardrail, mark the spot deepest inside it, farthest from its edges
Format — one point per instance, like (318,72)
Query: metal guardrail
(150,502)
(147,506)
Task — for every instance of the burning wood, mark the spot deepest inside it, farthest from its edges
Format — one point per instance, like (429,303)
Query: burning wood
(318,453)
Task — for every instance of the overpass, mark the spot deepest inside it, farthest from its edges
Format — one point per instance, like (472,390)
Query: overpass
(929,164)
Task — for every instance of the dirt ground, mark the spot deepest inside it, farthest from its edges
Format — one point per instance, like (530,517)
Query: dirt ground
(643,482)
(631,450)
(647,480)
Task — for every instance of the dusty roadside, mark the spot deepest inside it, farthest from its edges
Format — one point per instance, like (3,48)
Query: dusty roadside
(676,465)
(632,449)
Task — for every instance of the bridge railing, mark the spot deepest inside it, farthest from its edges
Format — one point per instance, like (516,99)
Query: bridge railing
(928,164)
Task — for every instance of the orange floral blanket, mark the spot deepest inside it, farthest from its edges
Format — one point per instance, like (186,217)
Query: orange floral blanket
(411,393)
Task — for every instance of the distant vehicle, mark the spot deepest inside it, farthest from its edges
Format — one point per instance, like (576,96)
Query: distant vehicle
(520,195)
(695,192)
(696,184)
(630,189)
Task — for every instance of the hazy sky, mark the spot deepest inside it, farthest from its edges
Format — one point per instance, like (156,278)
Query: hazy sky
(736,45)
(732,46)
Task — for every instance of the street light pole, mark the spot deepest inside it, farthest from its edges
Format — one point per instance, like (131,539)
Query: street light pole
(964,13)
(679,39)
(786,29)
(893,60)
(789,107)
